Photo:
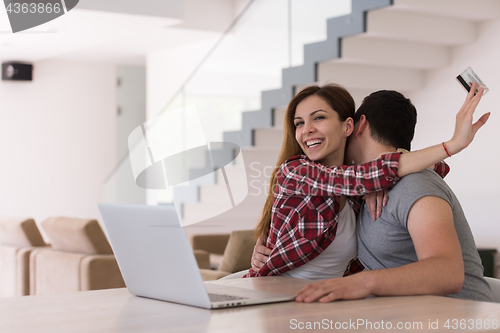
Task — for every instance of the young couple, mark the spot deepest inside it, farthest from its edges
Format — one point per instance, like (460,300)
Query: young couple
(419,243)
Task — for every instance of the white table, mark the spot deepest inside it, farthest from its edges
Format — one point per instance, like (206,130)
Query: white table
(116,310)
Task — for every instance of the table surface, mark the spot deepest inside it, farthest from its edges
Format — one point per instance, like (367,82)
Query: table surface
(116,310)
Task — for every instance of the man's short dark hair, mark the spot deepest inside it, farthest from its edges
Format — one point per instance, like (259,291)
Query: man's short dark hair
(392,118)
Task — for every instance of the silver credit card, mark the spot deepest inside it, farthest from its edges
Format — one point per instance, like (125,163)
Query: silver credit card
(467,77)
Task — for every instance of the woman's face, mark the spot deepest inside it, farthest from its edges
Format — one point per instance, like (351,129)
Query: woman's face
(320,132)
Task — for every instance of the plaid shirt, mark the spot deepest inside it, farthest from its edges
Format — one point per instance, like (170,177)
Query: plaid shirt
(306,207)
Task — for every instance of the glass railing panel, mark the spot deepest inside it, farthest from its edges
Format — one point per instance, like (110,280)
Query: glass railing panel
(248,60)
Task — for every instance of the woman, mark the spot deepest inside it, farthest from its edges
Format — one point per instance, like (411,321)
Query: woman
(310,221)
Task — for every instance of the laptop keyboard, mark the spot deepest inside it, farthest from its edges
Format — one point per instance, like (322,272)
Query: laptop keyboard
(223,298)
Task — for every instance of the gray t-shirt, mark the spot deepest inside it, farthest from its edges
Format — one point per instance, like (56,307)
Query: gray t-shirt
(386,242)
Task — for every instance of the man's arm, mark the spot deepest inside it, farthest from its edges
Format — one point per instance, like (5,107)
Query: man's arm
(438,271)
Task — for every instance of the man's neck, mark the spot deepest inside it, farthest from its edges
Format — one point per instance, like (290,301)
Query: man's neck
(372,150)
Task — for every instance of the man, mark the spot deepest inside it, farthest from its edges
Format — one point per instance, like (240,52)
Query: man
(421,243)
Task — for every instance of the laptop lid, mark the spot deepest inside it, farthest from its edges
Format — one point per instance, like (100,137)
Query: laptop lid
(154,253)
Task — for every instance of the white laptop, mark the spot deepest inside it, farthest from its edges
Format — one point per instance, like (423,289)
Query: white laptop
(157,261)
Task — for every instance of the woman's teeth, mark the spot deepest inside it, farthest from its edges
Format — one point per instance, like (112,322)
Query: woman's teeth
(313,143)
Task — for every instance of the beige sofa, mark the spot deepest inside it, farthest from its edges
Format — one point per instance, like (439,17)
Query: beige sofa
(229,253)
(18,238)
(80,259)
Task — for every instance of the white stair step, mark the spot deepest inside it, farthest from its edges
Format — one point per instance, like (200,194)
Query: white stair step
(252,152)
(268,137)
(247,211)
(243,216)
(264,155)
(357,94)
(417,27)
(237,174)
(386,52)
(216,205)
(259,164)
(477,10)
(256,181)
(196,212)
(218,193)
(369,77)
(279,116)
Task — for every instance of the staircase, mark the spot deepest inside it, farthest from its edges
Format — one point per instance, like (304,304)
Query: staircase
(382,44)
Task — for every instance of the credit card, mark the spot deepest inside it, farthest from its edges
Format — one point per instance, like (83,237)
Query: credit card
(467,77)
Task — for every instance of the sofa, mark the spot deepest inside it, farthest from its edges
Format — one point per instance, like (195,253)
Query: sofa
(229,253)
(79,259)
(19,236)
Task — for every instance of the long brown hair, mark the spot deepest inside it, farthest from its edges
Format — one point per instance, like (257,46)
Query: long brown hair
(339,99)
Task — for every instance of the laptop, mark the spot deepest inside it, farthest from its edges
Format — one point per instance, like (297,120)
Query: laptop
(156,260)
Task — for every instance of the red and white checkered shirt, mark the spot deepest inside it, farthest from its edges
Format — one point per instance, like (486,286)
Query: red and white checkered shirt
(306,207)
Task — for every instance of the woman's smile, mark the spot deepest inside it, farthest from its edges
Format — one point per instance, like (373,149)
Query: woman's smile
(314,143)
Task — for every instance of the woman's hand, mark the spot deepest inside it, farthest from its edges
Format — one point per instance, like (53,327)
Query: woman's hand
(465,130)
(260,254)
(375,201)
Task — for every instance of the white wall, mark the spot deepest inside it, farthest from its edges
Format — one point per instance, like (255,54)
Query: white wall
(167,70)
(131,103)
(474,173)
(57,139)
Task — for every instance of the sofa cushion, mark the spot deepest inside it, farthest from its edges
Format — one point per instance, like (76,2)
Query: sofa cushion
(76,235)
(20,231)
(212,243)
(238,252)
(215,260)
(58,272)
(100,272)
(202,258)
(54,272)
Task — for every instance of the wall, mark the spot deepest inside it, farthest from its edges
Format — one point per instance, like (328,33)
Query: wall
(168,69)
(474,176)
(131,104)
(58,139)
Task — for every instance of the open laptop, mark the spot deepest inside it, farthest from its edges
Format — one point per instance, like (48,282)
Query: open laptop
(157,261)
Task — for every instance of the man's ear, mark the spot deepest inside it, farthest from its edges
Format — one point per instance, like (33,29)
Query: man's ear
(361,126)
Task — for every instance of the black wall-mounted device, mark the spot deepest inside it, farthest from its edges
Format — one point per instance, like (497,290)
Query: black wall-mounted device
(16,71)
